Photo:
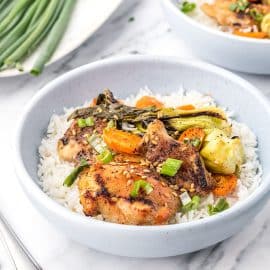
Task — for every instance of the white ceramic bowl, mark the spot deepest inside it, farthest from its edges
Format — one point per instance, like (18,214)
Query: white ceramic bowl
(237,53)
(125,76)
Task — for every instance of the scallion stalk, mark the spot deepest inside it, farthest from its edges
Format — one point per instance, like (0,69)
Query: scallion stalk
(70,179)
(16,9)
(22,50)
(54,37)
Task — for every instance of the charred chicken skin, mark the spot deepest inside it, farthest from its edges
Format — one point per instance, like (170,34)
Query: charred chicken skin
(105,189)
(157,146)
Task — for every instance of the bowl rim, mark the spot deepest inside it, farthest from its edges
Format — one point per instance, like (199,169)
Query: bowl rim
(168,4)
(36,194)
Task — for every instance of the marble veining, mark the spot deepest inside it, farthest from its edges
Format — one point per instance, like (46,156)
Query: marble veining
(149,33)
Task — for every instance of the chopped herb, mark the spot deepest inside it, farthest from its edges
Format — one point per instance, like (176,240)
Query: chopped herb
(196,142)
(70,179)
(81,123)
(221,205)
(131,19)
(187,7)
(106,156)
(171,166)
(192,205)
(140,185)
(97,143)
(256,15)
(239,5)
(87,122)
(185,198)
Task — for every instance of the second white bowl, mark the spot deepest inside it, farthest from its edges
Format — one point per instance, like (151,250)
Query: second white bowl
(237,53)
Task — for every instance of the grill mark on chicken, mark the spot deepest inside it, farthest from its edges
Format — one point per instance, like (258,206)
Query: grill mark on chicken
(105,190)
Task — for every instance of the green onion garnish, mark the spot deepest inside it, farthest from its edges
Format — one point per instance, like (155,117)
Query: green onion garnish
(138,185)
(239,5)
(70,179)
(192,205)
(171,166)
(106,156)
(187,7)
(87,122)
(256,15)
(196,142)
(81,123)
(97,143)
(221,205)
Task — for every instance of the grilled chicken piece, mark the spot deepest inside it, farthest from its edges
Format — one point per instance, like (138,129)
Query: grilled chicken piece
(220,11)
(105,189)
(74,146)
(157,146)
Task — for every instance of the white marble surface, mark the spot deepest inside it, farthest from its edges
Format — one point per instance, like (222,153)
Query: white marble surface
(149,33)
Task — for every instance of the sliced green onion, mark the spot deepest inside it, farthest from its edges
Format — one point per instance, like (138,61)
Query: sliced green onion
(185,198)
(81,123)
(106,156)
(192,205)
(187,7)
(97,143)
(256,15)
(221,205)
(140,185)
(171,166)
(70,179)
(87,122)
(239,5)
(196,142)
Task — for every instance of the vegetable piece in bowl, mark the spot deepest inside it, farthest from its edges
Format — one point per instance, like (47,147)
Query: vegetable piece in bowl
(149,165)
(246,18)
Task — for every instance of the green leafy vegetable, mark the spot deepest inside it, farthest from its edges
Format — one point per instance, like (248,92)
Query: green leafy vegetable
(187,7)
(171,166)
(221,205)
(70,179)
(140,185)
(192,205)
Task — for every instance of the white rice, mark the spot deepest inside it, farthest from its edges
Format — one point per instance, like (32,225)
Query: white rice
(52,171)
